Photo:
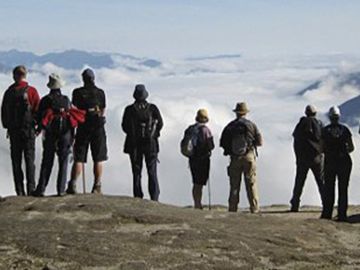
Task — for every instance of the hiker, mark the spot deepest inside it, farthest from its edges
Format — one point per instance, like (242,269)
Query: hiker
(19,106)
(57,122)
(142,123)
(197,145)
(309,154)
(240,140)
(338,145)
(91,133)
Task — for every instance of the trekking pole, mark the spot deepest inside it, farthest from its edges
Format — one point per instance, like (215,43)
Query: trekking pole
(83,177)
(209,194)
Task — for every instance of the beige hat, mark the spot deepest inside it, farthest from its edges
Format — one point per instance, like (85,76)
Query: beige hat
(55,81)
(202,116)
(310,109)
(241,108)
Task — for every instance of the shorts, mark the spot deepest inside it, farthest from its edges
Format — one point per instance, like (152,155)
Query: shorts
(96,139)
(200,169)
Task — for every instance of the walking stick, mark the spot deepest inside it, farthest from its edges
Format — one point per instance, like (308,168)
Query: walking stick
(83,178)
(209,195)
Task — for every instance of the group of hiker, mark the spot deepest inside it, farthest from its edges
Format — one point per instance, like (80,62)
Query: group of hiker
(79,124)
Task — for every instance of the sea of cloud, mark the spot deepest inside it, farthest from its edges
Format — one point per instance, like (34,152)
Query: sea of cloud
(180,87)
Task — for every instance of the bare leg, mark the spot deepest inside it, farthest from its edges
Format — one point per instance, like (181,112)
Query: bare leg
(98,169)
(75,173)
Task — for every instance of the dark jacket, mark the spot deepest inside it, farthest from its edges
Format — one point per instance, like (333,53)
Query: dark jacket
(91,99)
(337,141)
(7,107)
(307,138)
(46,103)
(131,124)
(227,135)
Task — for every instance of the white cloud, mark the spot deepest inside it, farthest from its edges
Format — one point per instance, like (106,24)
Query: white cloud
(268,85)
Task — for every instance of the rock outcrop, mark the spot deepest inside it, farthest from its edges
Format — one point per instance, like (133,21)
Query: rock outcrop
(104,232)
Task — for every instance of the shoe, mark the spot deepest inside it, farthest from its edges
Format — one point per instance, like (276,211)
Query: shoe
(96,188)
(37,193)
(71,188)
(342,219)
(61,194)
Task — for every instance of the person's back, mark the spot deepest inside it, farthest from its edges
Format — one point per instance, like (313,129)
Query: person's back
(338,145)
(54,123)
(19,105)
(308,148)
(240,140)
(199,143)
(91,133)
(142,123)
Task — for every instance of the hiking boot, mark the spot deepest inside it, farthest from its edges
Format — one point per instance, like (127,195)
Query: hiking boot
(37,193)
(71,188)
(96,188)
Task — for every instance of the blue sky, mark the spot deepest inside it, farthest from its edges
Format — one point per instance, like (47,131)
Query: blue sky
(177,28)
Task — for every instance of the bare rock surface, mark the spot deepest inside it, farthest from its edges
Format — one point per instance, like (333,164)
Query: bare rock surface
(104,232)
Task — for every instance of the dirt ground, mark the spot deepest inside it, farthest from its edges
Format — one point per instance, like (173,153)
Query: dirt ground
(108,232)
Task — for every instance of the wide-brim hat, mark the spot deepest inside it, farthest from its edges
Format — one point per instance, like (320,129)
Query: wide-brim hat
(202,116)
(241,108)
(140,93)
(55,81)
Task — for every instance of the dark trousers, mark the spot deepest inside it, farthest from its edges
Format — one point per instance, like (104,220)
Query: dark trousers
(61,147)
(21,144)
(340,168)
(151,161)
(316,165)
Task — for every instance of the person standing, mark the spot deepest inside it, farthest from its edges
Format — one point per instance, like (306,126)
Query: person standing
(240,140)
(338,145)
(19,107)
(309,154)
(91,133)
(142,123)
(54,121)
(197,145)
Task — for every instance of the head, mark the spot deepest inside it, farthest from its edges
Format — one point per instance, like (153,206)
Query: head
(334,114)
(88,76)
(140,93)
(202,116)
(310,110)
(55,81)
(19,73)
(241,109)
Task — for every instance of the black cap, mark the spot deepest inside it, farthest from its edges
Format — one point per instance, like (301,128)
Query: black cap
(140,93)
(88,75)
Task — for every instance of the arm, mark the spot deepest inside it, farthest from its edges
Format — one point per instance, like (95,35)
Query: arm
(34,99)
(126,122)
(160,123)
(349,142)
(5,110)
(258,139)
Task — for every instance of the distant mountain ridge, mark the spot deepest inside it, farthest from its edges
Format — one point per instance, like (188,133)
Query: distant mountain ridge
(70,59)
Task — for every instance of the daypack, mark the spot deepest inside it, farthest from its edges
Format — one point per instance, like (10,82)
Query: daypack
(146,124)
(59,123)
(190,141)
(21,115)
(92,103)
(240,139)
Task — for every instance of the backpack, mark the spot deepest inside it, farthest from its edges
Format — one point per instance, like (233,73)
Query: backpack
(20,109)
(92,104)
(145,124)
(240,141)
(59,124)
(190,141)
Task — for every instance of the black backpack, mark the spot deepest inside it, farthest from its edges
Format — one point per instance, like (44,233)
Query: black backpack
(92,103)
(240,139)
(60,124)
(145,123)
(20,110)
